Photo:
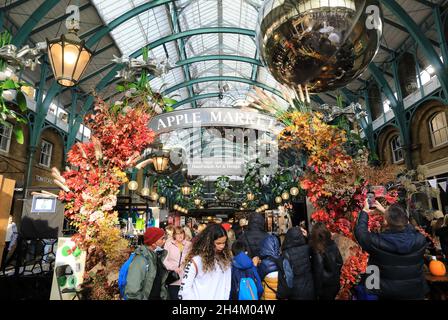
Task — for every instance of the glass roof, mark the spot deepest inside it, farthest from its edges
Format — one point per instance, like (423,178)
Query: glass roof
(158,22)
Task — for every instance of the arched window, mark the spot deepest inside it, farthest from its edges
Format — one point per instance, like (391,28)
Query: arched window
(397,152)
(439,129)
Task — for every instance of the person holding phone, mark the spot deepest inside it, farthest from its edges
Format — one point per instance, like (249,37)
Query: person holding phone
(371,199)
(397,252)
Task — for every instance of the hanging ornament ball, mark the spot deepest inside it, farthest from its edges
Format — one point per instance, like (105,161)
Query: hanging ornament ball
(162,200)
(294,191)
(278,199)
(154,196)
(319,43)
(133,185)
(145,192)
(285,195)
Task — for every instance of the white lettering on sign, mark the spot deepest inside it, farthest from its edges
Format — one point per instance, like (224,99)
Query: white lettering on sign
(170,120)
(161,123)
(214,117)
(44,179)
(196,117)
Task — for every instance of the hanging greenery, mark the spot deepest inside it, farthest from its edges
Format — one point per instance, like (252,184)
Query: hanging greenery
(197,189)
(10,90)
(223,188)
(142,87)
(166,187)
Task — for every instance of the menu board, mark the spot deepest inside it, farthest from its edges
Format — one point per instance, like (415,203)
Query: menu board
(43,204)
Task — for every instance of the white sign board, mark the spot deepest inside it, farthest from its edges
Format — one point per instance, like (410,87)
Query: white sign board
(215,117)
(68,270)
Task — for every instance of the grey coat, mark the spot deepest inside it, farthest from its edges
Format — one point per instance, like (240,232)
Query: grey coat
(141,275)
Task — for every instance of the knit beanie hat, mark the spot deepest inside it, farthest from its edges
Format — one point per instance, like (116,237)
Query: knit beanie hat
(152,234)
(226,226)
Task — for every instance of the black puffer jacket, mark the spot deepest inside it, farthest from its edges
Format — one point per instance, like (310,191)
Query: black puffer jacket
(327,272)
(254,235)
(442,233)
(298,254)
(399,257)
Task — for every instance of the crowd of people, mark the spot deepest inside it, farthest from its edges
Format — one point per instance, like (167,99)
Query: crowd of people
(222,262)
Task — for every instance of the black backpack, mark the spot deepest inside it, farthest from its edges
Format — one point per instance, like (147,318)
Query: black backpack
(285,278)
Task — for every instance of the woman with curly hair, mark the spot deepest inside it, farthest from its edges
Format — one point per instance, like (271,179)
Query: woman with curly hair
(208,267)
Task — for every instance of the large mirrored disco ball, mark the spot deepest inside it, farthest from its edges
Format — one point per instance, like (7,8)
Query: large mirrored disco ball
(323,44)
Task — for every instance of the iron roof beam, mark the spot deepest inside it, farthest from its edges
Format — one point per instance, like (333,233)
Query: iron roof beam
(421,39)
(23,33)
(404,29)
(58,19)
(13,5)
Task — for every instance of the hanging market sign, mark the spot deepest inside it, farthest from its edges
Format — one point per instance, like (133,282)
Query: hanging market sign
(223,204)
(219,141)
(214,117)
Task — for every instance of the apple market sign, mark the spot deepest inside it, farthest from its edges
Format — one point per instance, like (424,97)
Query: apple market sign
(247,135)
(214,117)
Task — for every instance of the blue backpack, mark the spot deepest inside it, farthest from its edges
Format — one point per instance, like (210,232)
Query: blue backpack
(123,275)
(248,289)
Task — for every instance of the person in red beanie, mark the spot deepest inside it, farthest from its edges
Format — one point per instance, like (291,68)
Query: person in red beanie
(147,274)
(227,226)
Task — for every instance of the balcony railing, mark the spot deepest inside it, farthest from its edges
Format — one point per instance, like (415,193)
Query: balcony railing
(60,121)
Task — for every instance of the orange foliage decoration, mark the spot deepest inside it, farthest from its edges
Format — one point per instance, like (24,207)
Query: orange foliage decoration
(334,183)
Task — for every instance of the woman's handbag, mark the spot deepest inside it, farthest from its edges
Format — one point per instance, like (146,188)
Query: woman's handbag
(173,276)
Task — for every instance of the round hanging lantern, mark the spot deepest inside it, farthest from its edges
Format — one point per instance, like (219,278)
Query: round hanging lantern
(162,200)
(176,207)
(145,192)
(278,199)
(69,57)
(250,196)
(133,185)
(294,191)
(266,207)
(185,189)
(285,195)
(322,44)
